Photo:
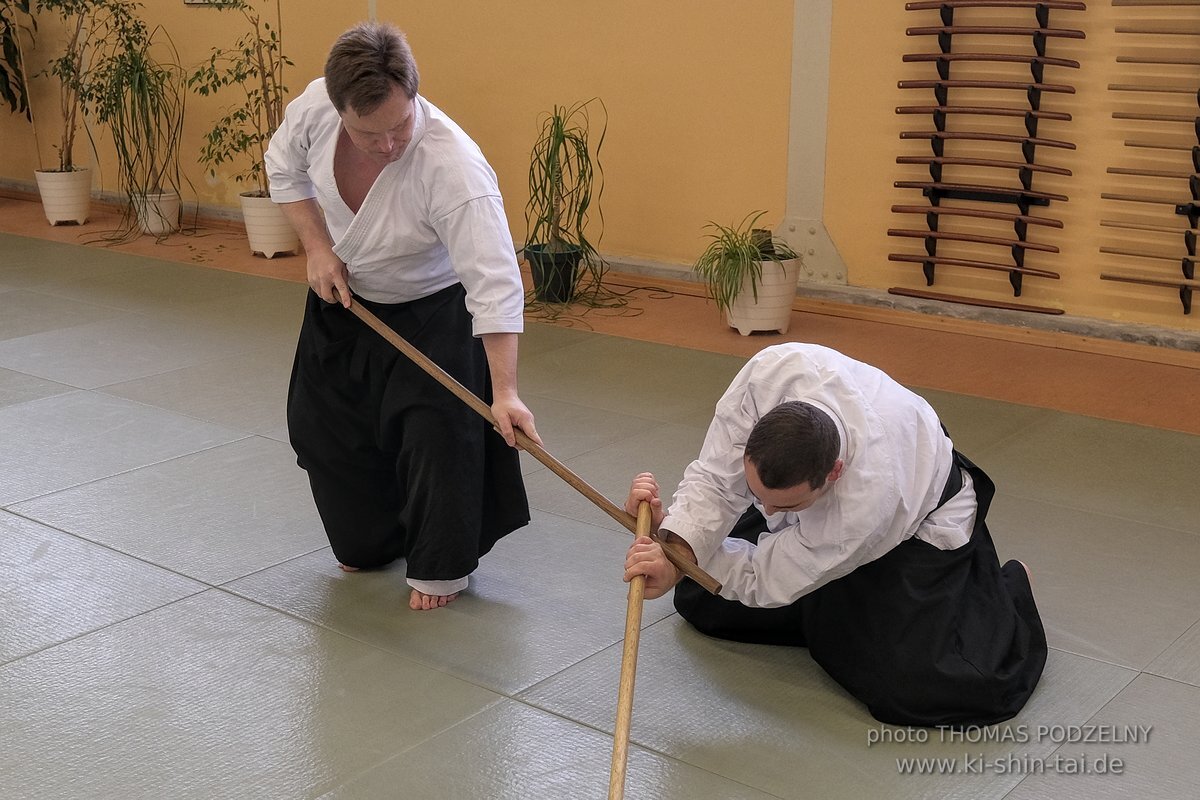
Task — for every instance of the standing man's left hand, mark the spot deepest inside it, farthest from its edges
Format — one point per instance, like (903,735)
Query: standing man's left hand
(509,412)
(507,408)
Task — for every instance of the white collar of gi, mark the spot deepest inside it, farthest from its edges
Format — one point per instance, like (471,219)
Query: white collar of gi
(844,446)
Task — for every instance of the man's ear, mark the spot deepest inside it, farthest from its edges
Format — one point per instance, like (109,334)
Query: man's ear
(836,472)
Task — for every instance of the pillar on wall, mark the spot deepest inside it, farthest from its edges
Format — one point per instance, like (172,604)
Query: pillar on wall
(802,226)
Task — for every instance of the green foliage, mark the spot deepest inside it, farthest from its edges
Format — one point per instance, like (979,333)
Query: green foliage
(140,99)
(96,31)
(563,170)
(15,21)
(120,73)
(254,64)
(735,252)
(566,181)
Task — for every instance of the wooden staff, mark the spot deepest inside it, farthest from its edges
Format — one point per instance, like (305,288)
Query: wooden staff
(1000,58)
(997,30)
(1171,31)
(971,301)
(980,84)
(633,630)
(1154,3)
(1141,226)
(950,161)
(972,263)
(977,136)
(674,553)
(955,211)
(971,237)
(1064,5)
(990,111)
(1137,87)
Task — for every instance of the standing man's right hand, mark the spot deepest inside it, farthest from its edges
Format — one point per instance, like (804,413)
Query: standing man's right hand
(326,274)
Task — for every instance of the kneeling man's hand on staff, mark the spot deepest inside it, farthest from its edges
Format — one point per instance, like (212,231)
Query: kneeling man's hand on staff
(646,557)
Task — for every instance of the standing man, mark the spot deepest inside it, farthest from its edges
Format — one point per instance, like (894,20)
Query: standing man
(832,507)
(397,209)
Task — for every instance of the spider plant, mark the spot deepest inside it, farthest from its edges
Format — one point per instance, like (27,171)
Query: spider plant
(735,253)
(254,64)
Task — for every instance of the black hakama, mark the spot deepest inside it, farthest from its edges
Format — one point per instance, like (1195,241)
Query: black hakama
(922,636)
(400,467)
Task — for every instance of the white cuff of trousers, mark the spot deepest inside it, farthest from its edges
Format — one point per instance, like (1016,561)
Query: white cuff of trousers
(438,588)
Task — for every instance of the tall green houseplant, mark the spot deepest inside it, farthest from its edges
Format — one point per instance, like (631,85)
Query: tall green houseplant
(93,29)
(90,30)
(255,66)
(118,72)
(565,184)
(141,99)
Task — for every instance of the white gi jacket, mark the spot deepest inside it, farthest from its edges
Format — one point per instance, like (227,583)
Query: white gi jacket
(433,218)
(896,461)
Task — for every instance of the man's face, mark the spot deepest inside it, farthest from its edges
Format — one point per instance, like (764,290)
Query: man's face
(384,133)
(794,498)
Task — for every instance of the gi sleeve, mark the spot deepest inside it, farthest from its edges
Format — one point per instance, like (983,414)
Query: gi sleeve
(286,159)
(713,493)
(481,250)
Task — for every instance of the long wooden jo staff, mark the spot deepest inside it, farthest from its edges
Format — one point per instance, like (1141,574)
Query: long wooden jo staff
(633,631)
(673,552)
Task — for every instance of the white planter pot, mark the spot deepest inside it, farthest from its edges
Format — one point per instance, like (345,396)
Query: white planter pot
(773,309)
(66,196)
(267,229)
(158,213)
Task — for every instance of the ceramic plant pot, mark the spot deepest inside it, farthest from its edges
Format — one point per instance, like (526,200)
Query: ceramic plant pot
(158,213)
(267,229)
(772,311)
(554,274)
(66,196)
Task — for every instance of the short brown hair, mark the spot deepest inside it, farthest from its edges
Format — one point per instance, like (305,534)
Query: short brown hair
(366,64)
(793,443)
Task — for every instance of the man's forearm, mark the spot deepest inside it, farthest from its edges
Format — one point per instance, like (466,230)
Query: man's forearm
(501,349)
(309,223)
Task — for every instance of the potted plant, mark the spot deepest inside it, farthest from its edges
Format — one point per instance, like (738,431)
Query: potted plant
(750,275)
(255,66)
(66,189)
(565,184)
(109,71)
(138,93)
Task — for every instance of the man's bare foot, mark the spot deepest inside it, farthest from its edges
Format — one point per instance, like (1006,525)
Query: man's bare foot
(419,601)
(344,568)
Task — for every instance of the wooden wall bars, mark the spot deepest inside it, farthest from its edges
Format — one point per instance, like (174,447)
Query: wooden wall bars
(1167,158)
(973,61)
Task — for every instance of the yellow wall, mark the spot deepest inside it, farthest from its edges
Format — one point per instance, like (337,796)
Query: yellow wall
(696,90)
(698,98)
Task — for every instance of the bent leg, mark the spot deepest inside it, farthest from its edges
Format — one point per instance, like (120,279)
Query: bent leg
(330,426)
(728,619)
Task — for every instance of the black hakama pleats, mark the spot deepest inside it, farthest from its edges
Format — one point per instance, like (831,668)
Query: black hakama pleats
(922,636)
(400,467)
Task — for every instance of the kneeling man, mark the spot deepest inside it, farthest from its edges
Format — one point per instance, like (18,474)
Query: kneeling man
(831,504)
